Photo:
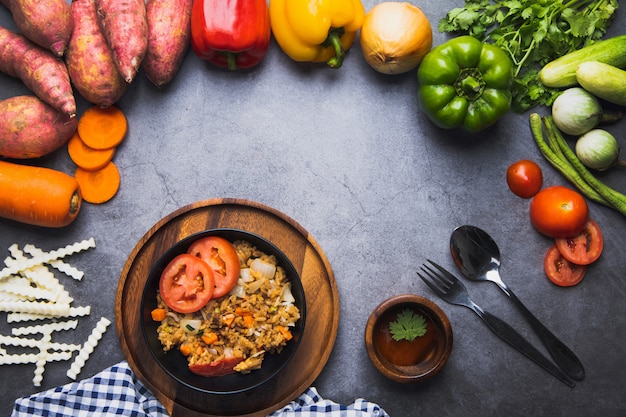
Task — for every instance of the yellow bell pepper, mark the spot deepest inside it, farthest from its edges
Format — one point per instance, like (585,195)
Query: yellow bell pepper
(316,30)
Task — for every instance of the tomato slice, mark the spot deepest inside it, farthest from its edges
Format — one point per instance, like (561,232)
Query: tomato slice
(222,258)
(560,271)
(186,284)
(584,248)
(220,367)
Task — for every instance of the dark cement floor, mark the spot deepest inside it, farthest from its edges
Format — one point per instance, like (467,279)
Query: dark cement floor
(349,155)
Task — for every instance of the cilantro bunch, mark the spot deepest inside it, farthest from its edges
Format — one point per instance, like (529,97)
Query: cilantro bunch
(533,33)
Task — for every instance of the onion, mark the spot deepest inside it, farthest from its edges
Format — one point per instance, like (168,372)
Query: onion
(191,326)
(395,36)
(575,111)
(262,268)
(598,149)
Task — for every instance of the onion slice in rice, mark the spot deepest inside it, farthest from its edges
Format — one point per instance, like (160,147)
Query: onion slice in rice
(263,268)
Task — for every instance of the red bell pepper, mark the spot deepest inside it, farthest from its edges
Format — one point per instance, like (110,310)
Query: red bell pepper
(230,33)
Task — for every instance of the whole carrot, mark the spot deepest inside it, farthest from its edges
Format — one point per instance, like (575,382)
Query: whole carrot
(169,29)
(39,70)
(48,23)
(90,60)
(124,24)
(38,196)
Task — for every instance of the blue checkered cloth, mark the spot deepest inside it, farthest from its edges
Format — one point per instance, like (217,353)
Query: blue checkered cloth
(116,391)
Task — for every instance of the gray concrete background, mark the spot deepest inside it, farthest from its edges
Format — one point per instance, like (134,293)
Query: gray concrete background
(349,155)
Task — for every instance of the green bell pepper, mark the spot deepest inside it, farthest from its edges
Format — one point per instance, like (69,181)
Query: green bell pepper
(465,83)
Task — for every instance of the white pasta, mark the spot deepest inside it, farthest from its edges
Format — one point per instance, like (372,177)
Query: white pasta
(21,286)
(47,257)
(40,363)
(58,264)
(7,296)
(24,358)
(37,307)
(73,312)
(88,347)
(45,328)
(30,291)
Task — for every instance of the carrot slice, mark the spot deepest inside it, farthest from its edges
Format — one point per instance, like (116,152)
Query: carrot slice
(87,158)
(98,186)
(102,128)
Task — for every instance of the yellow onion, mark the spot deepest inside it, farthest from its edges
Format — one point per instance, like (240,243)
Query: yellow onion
(395,36)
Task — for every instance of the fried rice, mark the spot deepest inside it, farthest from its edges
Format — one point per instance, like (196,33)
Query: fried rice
(254,318)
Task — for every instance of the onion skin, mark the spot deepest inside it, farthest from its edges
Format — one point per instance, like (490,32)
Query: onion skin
(576,112)
(395,36)
(598,149)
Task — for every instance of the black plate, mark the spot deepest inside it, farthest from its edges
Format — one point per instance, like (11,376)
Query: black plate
(175,364)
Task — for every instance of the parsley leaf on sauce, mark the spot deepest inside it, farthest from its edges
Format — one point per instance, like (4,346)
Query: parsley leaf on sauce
(407,326)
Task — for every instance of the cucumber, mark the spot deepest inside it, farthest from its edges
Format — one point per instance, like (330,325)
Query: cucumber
(562,71)
(603,80)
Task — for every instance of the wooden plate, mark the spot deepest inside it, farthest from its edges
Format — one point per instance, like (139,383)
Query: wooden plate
(322,303)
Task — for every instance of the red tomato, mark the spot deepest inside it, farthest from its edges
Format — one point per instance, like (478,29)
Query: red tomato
(186,284)
(585,247)
(216,368)
(221,256)
(559,212)
(524,178)
(560,271)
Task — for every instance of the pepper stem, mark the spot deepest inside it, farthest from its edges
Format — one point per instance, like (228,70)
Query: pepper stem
(470,83)
(334,40)
(231,60)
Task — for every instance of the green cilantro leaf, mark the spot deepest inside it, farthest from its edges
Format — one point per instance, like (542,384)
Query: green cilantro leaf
(407,326)
(532,33)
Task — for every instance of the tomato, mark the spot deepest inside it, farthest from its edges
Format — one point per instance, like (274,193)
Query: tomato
(220,367)
(584,248)
(559,212)
(221,256)
(186,284)
(560,271)
(524,178)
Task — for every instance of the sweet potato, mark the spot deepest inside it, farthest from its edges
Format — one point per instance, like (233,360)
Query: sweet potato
(90,60)
(44,74)
(124,24)
(30,128)
(169,29)
(38,196)
(48,23)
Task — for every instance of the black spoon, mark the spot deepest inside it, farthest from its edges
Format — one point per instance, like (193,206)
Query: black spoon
(476,254)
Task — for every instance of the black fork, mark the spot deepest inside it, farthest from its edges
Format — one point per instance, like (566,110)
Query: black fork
(452,290)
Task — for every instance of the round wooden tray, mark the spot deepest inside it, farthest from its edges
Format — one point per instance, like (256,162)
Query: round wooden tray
(322,303)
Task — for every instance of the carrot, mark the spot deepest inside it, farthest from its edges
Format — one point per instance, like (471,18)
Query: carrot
(209,338)
(30,128)
(228,319)
(38,196)
(39,70)
(285,332)
(48,23)
(89,59)
(169,31)
(248,320)
(124,24)
(88,158)
(158,314)
(99,186)
(185,349)
(102,128)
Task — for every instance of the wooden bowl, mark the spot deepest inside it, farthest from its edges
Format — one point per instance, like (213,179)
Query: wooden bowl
(175,364)
(408,361)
